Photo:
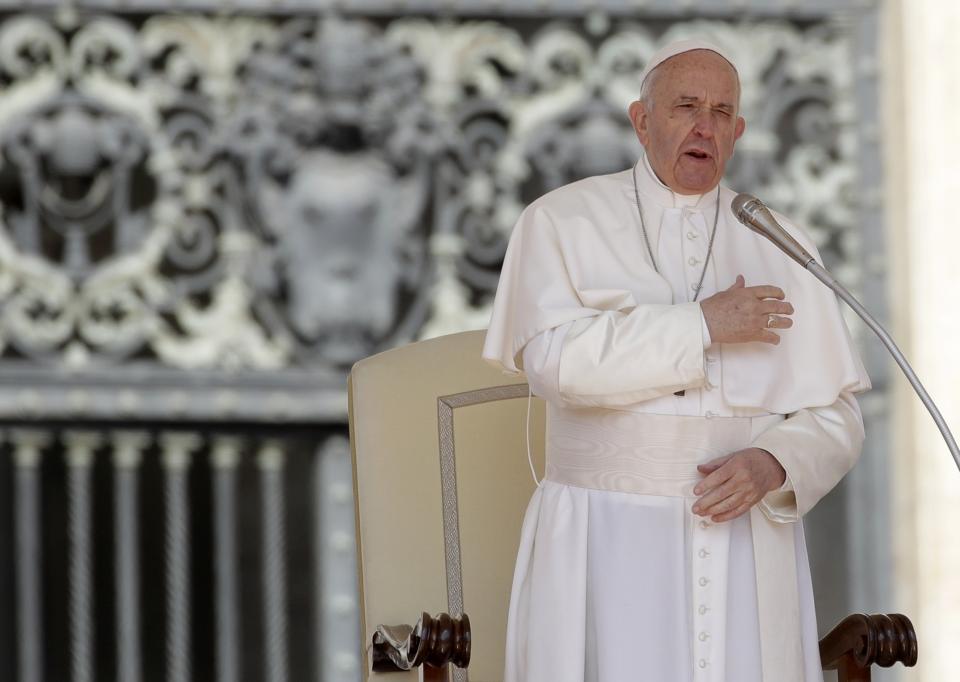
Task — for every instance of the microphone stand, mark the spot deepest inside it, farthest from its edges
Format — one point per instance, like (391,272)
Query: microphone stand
(753,214)
(821,273)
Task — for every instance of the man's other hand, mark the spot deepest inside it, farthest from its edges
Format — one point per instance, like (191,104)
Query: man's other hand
(742,314)
(735,482)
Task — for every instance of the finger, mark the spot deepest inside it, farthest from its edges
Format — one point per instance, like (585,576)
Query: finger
(713,464)
(718,494)
(716,478)
(732,514)
(707,469)
(734,485)
(739,283)
(719,499)
(767,291)
(718,485)
(774,322)
(720,505)
(769,306)
(765,336)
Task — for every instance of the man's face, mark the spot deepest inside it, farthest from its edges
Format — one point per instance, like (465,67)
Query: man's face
(691,129)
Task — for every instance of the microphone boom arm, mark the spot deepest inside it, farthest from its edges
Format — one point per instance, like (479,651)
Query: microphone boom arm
(824,276)
(753,214)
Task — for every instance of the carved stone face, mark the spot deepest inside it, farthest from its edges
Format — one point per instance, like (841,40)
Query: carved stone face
(78,160)
(339,248)
(690,131)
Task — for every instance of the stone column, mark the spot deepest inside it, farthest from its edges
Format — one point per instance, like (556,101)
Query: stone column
(922,97)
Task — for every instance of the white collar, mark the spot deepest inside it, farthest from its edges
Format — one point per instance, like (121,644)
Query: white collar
(651,187)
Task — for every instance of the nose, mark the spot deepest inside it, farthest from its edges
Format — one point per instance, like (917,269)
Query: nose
(704,124)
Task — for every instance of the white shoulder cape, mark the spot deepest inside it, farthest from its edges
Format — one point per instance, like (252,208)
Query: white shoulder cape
(577,251)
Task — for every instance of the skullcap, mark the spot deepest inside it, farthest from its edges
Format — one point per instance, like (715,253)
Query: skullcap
(679,47)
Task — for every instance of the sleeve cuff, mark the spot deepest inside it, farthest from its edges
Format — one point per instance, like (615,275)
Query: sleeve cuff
(780,505)
(704,330)
(649,352)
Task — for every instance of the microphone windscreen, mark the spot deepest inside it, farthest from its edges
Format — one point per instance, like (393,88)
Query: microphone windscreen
(753,214)
(739,203)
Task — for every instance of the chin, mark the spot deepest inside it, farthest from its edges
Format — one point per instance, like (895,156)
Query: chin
(699,186)
(694,182)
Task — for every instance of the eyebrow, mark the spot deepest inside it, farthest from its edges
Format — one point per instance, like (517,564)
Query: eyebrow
(691,98)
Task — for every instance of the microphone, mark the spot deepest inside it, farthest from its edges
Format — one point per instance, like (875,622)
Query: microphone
(751,212)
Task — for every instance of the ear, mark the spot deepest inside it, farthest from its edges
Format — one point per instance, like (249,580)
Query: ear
(638,117)
(741,126)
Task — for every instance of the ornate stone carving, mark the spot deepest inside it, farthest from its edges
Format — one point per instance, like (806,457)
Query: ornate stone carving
(247,197)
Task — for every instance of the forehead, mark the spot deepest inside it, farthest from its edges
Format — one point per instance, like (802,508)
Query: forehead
(697,72)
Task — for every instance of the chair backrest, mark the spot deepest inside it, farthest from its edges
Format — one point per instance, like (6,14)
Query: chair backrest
(441,483)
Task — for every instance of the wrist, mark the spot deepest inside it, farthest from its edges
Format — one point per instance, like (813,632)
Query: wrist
(778,473)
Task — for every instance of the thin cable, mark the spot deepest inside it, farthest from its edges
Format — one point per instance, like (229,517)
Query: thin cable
(533,471)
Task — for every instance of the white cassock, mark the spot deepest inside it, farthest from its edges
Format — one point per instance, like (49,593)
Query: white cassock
(616,579)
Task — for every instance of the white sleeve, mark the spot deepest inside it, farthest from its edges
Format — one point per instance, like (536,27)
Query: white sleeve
(816,446)
(541,363)
(705,330)
(621,358)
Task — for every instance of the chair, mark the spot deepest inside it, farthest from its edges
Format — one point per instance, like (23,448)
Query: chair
(441,483)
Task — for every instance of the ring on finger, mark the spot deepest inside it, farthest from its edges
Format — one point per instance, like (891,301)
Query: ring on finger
(771,320)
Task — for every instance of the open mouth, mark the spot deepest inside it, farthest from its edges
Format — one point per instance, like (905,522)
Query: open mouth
(697,154)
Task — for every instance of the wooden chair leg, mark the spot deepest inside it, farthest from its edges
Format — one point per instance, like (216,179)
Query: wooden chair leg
(430,674)
(849,671)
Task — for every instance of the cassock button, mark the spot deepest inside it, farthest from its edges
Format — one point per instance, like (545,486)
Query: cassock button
(703,609)
(691,235)
(704,524)
(692,261)
(703,663)
(704,582)
(703,636)
(704,554)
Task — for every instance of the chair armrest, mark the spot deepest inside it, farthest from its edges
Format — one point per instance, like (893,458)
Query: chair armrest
(433,642)
(860,641)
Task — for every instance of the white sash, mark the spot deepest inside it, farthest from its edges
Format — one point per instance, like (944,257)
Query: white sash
(658,455)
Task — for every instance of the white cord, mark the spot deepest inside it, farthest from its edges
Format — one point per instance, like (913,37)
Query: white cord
(533,471)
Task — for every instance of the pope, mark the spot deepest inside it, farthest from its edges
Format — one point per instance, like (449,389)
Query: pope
(700,400)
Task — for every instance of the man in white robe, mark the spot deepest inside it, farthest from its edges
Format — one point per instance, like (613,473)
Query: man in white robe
(699,390)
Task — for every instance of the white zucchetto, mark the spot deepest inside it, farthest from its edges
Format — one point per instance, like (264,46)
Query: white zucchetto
(679,47)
